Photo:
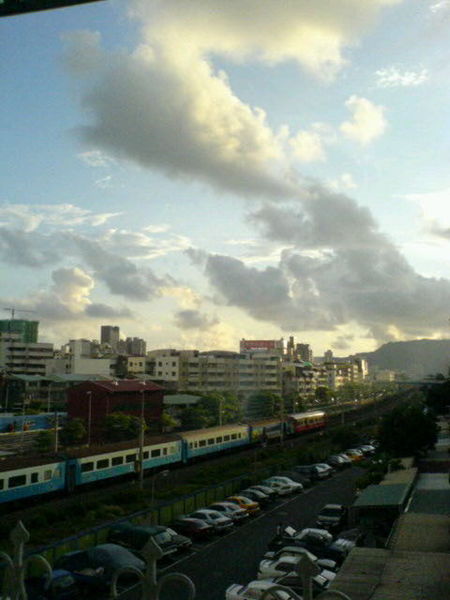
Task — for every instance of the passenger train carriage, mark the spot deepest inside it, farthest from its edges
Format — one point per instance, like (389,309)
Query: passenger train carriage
(25,477)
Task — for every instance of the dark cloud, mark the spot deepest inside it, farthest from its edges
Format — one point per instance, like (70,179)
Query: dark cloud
(100,310)
(120,274)
(29,249)
(193,319)
(337,269)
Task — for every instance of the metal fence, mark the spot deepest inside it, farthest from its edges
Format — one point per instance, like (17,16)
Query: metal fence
(162,514)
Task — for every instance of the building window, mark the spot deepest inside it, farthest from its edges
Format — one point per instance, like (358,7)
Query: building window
(17,481)
(233,436)
(1,484)
(103,463)
(156,452)
(117,460)
(87,466)
(34,477)
(130,458)
(191,445)
(164,451)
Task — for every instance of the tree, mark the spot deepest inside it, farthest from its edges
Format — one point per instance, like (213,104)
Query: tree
(168,422)
(44,441)
(120,427)
(73,432)
(221,407)
(408,429)
(438,396)
(263,405)
(194,417)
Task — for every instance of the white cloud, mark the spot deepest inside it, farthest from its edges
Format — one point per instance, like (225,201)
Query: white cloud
(29,217)
(441,6)
(435,211)
(138,244)
(368,120)
(166,107)
(104,183)
(393,77)
(307,146)
(162,228)
(344,183)
(96,158)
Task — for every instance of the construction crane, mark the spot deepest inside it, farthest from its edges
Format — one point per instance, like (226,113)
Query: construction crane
(14,310)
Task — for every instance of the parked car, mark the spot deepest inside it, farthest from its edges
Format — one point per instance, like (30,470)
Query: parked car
(325,470)
(298,478)
(252,591)
(338,462)
(280,566)
(297,487)
(354,454)
(293,581)
(94,568)
(332,517)
(193,528)
(134,537)
(317,541)
(367,449)
(281,488)
(257,496)
(311,471)
(229,509)
(324,563)
(219,522)
(60,585)
(250,506)
(265,489)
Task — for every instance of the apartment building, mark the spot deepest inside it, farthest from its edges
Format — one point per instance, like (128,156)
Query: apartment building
(23,358)
(218,370)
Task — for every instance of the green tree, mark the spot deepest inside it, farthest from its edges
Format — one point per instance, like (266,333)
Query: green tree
(221,407)
(44,441)
(194,417)
(168,422)
(263,405)
(73,432)
(408,429)
(438,396)
(345,436)
(119,426)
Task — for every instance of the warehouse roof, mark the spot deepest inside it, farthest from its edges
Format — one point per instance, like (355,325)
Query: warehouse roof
(383,495)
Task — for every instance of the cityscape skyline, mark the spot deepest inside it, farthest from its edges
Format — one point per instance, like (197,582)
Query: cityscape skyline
(203,173)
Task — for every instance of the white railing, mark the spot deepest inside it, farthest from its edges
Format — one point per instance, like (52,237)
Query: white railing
(15,568)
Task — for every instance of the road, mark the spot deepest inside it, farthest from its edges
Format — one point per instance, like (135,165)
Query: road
(234,558)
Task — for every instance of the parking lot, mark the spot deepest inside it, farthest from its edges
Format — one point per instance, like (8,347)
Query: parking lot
(234,557)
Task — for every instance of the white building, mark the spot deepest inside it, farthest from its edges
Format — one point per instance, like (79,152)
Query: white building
(23,358)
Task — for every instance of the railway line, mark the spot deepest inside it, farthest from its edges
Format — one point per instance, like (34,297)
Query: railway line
(180,474)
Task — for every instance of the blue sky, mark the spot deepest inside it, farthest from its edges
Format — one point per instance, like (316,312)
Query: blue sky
(201,172)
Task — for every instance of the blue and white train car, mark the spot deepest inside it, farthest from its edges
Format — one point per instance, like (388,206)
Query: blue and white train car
(214,439)
(19,481)
(118,460)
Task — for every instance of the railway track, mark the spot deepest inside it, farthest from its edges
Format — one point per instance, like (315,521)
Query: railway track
(183,473)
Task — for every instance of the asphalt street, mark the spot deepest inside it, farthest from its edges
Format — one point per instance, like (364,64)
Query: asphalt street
(234,558)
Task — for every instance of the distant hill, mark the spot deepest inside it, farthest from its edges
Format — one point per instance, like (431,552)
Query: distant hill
(416,358)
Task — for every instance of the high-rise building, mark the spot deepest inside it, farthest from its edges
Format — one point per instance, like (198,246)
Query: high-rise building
(26,330)
(304,352)
(110,334)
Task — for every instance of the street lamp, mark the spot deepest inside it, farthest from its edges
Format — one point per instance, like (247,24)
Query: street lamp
(89,395)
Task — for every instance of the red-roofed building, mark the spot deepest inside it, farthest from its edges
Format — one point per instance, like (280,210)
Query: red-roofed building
(93,401)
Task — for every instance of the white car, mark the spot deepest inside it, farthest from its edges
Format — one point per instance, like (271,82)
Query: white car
(251,591)
(217,520)
(323,563)
(281,488)
(297,487)
(277,568)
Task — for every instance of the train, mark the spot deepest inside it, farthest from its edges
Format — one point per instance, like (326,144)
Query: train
(30,477)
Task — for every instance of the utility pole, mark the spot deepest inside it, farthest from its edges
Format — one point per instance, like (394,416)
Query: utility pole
(89,395)
(141,443)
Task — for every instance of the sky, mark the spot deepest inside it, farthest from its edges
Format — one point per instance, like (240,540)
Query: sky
(205,171)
